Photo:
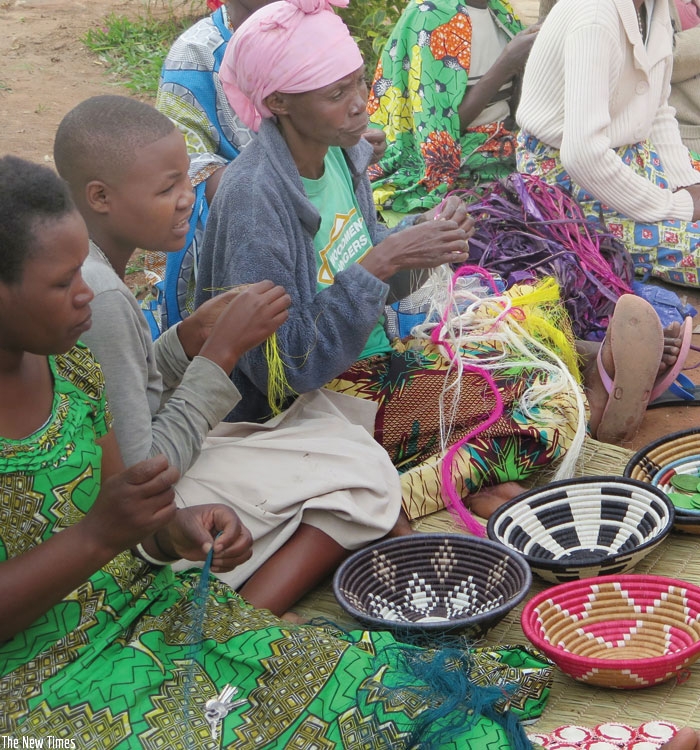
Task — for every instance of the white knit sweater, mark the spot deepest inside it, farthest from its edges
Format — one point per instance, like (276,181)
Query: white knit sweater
(591,85)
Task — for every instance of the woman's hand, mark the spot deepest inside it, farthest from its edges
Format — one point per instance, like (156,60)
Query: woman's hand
(133,504)
(694,191)
(193,531)
(377,139)
(427,244)
(452,208)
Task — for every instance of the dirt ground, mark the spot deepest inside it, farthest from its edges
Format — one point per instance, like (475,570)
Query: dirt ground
(46,70)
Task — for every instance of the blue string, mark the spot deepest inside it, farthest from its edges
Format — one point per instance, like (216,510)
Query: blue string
(199,608)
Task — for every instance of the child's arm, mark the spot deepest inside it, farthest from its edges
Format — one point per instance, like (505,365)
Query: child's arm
(120,341)
(131,505)
(510,63)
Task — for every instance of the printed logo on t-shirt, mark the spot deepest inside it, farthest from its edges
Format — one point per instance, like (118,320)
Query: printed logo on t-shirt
(348,243)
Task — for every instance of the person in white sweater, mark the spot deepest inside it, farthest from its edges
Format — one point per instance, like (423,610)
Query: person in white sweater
(595,119)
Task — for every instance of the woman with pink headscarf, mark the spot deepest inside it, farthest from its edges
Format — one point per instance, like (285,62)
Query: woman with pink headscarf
(296,207)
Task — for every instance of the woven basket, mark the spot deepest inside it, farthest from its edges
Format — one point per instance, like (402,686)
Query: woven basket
(678,453)
(432,583)
(584,527)
(627,631)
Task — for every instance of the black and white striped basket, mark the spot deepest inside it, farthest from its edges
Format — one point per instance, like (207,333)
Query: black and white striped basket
(585,527)
(432,583)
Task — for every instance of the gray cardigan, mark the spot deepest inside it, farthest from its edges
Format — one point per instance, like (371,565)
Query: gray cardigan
(261,226)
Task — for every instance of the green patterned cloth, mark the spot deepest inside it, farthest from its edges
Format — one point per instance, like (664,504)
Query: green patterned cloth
(111,665)
(421,79)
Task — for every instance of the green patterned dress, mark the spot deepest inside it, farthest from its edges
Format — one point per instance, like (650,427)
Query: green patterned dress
(113,665)
(419,83)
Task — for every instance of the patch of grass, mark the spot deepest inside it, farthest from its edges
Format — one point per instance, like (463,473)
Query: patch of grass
(134,49)
(370,22)
(136,262)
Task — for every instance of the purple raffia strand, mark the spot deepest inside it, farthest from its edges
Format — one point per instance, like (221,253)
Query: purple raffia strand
(525,199)
(575,232)
(524,226)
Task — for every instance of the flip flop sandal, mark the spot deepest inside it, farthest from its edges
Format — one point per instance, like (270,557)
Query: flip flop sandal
(680,385)
(682,392)
(637,342)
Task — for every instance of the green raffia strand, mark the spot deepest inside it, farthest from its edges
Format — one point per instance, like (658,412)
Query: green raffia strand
(278,388)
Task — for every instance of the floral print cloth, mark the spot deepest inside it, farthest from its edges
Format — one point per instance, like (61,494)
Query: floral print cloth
(419,83)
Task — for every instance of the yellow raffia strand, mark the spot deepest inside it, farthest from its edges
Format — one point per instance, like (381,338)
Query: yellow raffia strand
(546,320)
(278,388)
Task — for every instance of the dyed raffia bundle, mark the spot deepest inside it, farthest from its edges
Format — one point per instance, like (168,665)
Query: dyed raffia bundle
(527,229)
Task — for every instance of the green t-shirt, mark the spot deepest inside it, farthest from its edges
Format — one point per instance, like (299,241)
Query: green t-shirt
(342,238)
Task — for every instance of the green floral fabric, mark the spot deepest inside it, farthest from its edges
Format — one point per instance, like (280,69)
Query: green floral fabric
(420,81)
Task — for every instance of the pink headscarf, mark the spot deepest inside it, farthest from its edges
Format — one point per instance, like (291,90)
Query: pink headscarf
(290,46)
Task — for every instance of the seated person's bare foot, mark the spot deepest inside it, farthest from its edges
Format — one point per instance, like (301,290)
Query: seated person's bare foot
(672,346)
(294,618)
(685,739)
(620,381)
(484,502)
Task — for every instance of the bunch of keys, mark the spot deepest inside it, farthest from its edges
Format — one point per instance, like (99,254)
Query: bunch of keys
(216,709)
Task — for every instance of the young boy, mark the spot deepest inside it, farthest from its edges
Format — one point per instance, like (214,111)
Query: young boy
(307,490)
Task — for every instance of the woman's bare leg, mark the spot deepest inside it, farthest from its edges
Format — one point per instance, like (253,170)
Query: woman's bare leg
(484,502)
(402,527)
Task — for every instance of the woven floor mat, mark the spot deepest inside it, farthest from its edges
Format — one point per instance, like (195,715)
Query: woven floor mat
(571,702)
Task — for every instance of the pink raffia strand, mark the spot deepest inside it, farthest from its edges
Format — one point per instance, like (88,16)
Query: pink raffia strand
(573,230)
(453,500)
(574,233)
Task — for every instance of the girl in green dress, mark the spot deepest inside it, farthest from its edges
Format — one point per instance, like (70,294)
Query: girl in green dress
(102,647)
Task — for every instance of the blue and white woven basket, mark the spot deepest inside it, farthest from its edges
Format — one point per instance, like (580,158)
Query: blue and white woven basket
(677,453)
